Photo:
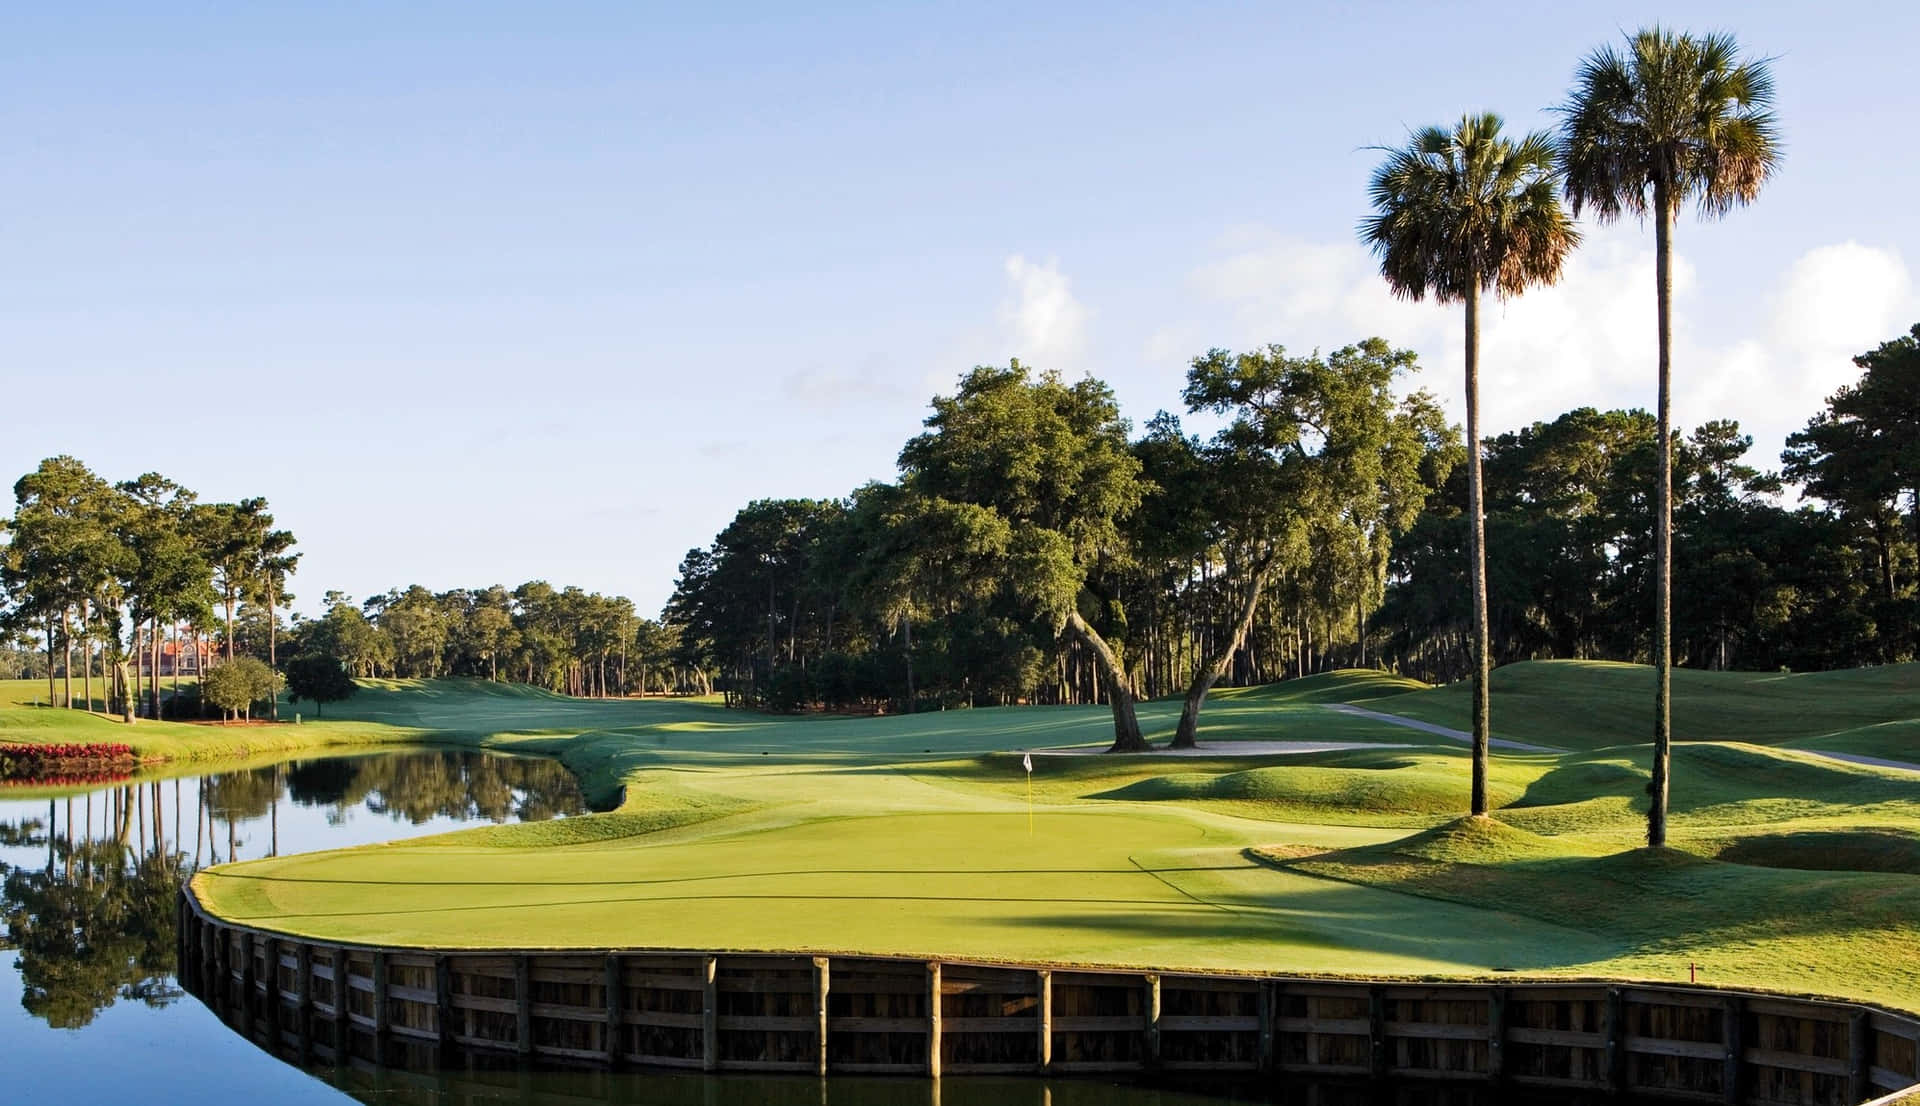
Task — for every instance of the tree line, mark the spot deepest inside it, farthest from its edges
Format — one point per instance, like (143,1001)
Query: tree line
(563,639)
(115,569)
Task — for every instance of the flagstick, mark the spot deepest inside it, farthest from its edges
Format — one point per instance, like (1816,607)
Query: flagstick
(1029,804)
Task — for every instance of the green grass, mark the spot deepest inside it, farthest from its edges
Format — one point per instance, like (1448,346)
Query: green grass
(912,835)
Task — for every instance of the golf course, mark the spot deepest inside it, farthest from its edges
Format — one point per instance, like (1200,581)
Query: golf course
(1301,838)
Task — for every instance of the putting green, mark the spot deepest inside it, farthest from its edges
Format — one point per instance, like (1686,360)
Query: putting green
(910,836)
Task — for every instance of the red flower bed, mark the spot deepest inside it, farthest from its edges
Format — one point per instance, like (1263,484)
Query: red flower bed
(64,762)
(69,750)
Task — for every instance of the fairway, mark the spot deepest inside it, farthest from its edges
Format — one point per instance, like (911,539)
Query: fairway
(913,836)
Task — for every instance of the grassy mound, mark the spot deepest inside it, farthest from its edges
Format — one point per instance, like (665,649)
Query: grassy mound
(1343,685)
(1855,850)
(1353,785)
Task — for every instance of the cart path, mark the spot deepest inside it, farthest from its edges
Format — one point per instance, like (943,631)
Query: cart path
(1442,731)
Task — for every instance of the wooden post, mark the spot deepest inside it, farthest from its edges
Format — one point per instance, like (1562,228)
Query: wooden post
(209,961)
(1045,982)
(1614,1060)
(821,981)
(1153,1019)
(380,1010)
(523,1003)
(1269,999)
(1497,1034)
(710,1018)
(1860,1056)
(247,981)
(342,1027)
(933,1020)
(1377,1031)
(1735,1032)
(303,978)
(443,1005)
(613,983)
(270,986)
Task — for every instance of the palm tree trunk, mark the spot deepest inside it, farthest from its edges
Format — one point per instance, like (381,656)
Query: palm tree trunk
(1662,530)
(1477,555)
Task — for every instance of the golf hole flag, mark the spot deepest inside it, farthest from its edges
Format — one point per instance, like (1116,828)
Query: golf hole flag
(1026,761)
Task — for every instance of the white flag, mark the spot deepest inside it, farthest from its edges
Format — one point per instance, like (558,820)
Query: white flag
(1026,761)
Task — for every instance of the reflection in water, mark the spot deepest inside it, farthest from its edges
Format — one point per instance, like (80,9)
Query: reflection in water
(91,917)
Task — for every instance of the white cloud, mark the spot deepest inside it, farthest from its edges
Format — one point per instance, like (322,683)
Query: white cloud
(1046,325)
(1587,341)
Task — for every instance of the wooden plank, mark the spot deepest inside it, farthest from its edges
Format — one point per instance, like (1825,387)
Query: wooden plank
(1888,1080)
(1376,1031)
(1733,1031)
(935,989)
(1043,980)
(1564,1038)
(665,1020)
(1798,1061)
(379,988)
(1435,1031)
(710,1017)
(611,982)
(485,1002)
(1112,1023)
(559,1011)
(1153,1019)
(1613,1020)
(1336,1027)
(1497,1034)
(1800,1008)
(877,1025)
(1658,1046)
(444,1012)
(523,1004)
(1211,1023)
(1651,996)
(1859,1056)
(1023,1024)
(821,983)
(1269,1000)
(1899,1027)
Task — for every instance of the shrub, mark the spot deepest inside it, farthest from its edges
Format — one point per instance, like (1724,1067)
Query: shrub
(238,684)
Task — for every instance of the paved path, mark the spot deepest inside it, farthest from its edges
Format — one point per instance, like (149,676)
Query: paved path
(1859,758)
(1229,749)
(1443,731)
(1517,746)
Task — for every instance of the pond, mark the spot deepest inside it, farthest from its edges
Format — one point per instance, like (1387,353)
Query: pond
(90,1010)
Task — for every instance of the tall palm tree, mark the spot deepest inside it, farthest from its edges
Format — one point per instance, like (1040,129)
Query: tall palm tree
(1668,119)
(1457,213)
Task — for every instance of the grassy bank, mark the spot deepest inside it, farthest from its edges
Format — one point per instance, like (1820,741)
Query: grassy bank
(914,836)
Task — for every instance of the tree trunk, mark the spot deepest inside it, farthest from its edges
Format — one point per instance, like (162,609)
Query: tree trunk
(907,626)
(1186,736)
(1126,726)
(273,701)
(1658,787)
(51,693)
(1477,567)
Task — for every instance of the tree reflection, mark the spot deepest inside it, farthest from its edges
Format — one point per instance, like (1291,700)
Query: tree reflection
(88,896)
(97,927)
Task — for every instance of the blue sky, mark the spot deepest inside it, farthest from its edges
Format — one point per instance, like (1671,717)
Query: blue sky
(478,293)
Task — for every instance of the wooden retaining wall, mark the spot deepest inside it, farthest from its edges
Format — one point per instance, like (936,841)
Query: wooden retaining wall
(822,1015)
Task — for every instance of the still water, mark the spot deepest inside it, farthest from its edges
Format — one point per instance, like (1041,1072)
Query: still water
(90,1011)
